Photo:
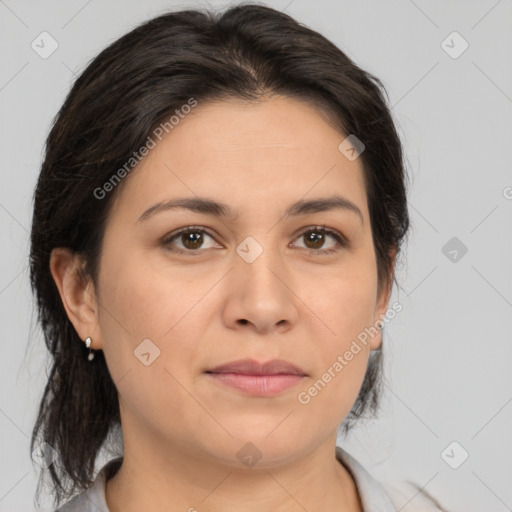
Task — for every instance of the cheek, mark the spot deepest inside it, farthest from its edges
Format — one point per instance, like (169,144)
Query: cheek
(356,307)
(344,304)
(147,322)
(342,361)
(147,301)
(143,302)
(346,307)
(333,388)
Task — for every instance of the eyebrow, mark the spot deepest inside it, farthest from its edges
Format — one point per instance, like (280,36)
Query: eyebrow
(217,209)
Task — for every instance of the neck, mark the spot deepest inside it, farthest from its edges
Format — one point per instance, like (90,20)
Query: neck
(177,480)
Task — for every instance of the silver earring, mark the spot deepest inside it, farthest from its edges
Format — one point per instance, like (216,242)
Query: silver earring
(88,345)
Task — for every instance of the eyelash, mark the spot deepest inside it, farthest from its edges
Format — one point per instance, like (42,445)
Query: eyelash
(340,239)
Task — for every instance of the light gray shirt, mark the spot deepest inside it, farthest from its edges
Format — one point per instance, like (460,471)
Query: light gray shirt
(373,496)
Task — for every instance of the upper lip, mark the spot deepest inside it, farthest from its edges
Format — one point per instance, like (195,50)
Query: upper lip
(252,367)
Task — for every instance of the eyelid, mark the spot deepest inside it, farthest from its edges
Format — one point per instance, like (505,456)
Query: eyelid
(339,237)
(169,237)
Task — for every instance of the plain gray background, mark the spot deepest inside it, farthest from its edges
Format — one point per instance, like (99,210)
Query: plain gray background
(449,351)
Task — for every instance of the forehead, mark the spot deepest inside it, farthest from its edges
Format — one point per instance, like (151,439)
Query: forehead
(248,153)
(269,127)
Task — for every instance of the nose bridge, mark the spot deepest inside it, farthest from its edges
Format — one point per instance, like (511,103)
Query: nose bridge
(260,260)
(259,295)
(262,280)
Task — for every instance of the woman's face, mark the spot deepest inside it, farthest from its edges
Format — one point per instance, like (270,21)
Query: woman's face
(255,285)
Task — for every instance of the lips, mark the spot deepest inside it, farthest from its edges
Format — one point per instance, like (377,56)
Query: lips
(252,367)
(257,379)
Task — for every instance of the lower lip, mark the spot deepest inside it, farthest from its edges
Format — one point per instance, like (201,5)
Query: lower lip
(258,385)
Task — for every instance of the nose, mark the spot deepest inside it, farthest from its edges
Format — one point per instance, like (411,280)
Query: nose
(260,295)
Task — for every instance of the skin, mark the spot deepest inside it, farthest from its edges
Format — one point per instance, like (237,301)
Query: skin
(181,429)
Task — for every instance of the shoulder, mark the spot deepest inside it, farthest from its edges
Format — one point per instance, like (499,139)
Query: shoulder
(372,494)
(80,503)
(93,499)
(386,496)
(404,493)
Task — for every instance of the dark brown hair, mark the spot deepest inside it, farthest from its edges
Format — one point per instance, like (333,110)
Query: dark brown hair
(249,52)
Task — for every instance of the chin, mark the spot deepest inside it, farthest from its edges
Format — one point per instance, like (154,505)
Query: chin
(257,450)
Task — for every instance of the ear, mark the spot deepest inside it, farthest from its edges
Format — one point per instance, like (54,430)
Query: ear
(382,304)
(77,294)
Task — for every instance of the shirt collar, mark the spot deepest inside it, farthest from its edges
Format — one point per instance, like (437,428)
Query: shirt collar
(372,494)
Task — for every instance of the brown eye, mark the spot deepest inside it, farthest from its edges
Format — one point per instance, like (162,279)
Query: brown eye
(315,238)
(192,239)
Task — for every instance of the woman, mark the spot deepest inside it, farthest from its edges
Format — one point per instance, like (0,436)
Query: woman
(215,231)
